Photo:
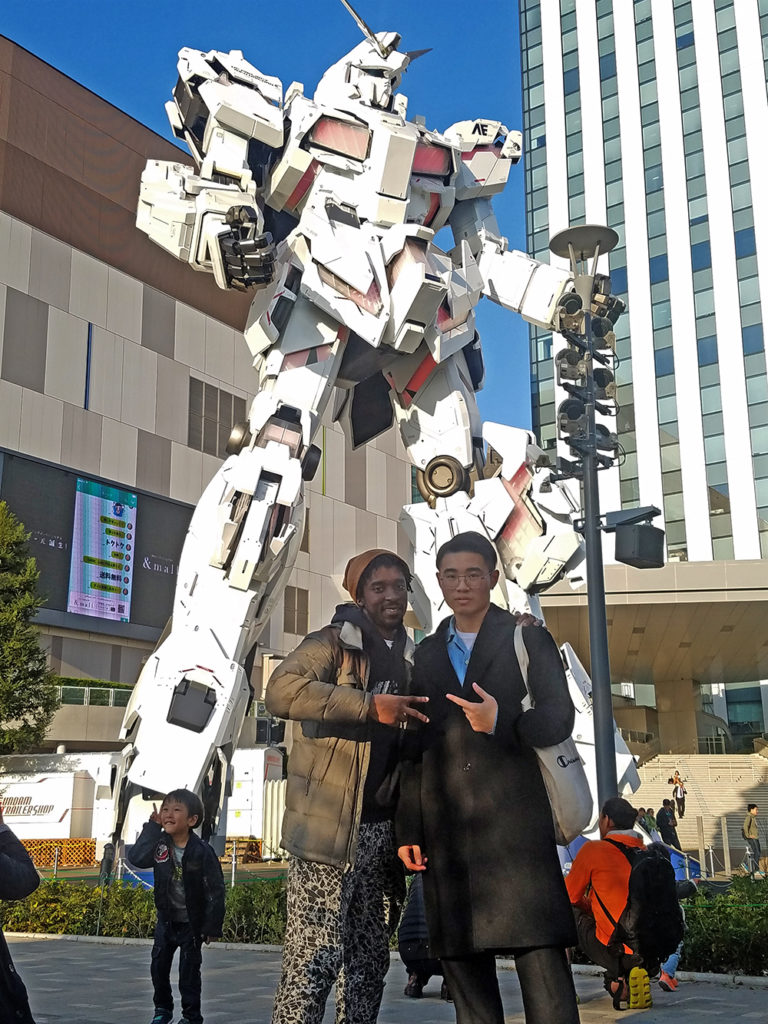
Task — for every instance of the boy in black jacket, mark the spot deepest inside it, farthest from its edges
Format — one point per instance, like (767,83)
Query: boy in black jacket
(189,896)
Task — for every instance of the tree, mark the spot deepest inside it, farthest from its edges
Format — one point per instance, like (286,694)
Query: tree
(27,691)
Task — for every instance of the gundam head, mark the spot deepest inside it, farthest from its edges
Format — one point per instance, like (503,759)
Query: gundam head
(370,73)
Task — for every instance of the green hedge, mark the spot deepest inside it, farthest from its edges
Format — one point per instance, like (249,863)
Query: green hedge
(725,934)
(255,911)
(728,934)
(98,684)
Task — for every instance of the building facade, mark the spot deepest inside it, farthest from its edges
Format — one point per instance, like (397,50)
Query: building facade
(122,372)
(649,116)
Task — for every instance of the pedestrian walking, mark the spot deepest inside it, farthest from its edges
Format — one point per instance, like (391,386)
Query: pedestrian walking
(750,833)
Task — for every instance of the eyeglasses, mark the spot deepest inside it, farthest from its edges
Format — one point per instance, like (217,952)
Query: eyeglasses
(474,578)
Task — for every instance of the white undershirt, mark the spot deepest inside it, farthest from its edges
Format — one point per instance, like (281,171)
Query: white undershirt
(468,639)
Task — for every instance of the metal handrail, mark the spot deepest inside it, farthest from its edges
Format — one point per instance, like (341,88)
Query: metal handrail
(93,696)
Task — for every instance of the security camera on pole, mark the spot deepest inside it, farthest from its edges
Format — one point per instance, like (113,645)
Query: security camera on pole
(585,370)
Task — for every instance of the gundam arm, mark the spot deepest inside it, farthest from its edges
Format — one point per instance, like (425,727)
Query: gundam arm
(231,117)
(511,278)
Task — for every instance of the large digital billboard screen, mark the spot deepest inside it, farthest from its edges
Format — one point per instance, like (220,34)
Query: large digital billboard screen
(102,551)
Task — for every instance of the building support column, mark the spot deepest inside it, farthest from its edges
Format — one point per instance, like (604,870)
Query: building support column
(677,702)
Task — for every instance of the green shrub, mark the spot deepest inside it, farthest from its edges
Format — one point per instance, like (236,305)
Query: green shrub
(255,911)
(728,933)
(105,684)
(725,934)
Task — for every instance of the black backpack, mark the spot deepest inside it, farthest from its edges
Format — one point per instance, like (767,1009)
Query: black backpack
(651,924)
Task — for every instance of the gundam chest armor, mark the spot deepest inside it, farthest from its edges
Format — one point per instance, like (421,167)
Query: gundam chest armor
(327,209)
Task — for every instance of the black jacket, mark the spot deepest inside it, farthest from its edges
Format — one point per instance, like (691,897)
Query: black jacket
(18,878)
(200,872)
(476,803)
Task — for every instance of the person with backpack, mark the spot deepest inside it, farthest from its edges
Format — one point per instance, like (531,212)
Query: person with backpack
(625,905)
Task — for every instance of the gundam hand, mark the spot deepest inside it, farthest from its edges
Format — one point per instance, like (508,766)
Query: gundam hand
(249,258)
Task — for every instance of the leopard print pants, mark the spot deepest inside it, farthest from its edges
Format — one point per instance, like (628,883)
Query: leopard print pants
(338,929)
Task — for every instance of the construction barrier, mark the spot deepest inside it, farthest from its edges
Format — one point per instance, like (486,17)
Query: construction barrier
(247,851)
(61,853)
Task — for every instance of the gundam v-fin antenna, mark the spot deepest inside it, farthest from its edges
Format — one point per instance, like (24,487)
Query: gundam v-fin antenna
(365,30)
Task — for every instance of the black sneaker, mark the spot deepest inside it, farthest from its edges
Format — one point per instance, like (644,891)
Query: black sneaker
(162,1017)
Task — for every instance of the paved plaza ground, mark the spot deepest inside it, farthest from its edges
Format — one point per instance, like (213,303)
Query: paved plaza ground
(102,982)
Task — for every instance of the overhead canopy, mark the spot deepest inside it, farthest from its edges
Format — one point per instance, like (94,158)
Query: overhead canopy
(706,621)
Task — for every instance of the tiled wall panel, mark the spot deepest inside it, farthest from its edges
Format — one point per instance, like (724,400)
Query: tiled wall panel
(158,321)
(41,422)
(15,246)
(50,270)
(125,304)
(10,415)
(186,473)
(106,373)
(153,463)
(25,338)
(139,397)
(67,348)
(172,400)
(220,351)
(118,451)
(89,289)
(81,439)
(190,337)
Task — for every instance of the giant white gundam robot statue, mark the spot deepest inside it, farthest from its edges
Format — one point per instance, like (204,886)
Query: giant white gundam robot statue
(328,209)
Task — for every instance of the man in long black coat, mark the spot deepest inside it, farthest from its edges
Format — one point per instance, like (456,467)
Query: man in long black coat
(473,814)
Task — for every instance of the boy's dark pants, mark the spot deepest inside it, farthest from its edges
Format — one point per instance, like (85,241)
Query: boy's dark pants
(170,936)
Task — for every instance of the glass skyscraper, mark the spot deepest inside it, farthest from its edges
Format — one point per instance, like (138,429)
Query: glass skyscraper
(651,116)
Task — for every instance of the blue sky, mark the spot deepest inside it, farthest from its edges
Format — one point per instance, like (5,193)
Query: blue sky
(126,52)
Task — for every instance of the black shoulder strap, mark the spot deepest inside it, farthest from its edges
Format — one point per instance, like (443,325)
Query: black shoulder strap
(628,851)
(606,911)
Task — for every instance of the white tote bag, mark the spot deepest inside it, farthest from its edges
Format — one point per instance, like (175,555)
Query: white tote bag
(562,770)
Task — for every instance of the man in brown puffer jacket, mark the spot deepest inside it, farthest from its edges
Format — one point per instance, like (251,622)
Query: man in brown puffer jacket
(345,689)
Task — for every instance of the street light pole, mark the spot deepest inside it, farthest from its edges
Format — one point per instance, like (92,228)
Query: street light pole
(580,245)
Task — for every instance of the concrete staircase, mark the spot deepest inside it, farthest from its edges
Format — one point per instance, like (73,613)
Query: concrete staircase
(718,785)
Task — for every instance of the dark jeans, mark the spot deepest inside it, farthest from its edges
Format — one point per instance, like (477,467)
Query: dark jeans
(753,858)
(170,936)
(545,982)
(616,962)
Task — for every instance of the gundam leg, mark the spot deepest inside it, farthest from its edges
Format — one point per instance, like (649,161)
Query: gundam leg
(186,711)
(509,497)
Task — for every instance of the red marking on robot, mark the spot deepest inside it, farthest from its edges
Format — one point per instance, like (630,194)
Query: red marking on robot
(478,149)
(341,136)
(269,318)
(434,206)
(524,523)
(431,160)
(425,368)
(303,186)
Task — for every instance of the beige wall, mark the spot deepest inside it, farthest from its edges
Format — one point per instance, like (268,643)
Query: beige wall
(677,704)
